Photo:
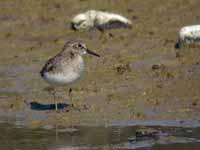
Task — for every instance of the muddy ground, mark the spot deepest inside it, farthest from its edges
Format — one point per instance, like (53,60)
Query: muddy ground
(140,75)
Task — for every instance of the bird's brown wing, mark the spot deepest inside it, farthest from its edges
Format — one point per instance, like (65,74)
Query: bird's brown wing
(53,64)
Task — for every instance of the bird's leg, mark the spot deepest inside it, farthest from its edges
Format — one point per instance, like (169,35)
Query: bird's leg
(54,98)
(70,94)
(52,91)
(102,35)
(70,97)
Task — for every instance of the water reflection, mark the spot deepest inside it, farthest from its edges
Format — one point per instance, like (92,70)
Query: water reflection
(101,137)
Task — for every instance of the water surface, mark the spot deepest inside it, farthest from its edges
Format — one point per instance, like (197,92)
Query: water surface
(97,137)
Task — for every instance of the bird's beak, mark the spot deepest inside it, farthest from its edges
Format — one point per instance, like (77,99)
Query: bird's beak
(92,53)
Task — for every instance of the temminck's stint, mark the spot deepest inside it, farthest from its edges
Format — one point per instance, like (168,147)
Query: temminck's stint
(67,66)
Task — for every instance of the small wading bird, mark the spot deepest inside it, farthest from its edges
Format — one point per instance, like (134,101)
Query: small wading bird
(100,20)
(67,66)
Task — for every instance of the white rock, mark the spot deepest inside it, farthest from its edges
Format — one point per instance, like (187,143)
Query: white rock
(100,20)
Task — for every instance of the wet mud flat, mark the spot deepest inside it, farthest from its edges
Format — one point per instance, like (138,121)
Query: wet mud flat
(141,76)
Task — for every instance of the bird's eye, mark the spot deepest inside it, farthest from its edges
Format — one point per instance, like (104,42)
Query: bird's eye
(80,46)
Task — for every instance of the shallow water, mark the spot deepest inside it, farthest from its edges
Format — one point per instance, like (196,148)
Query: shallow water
(97,137)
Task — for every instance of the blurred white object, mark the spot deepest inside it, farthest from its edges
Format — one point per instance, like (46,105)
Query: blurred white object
(189,34)
(100,20)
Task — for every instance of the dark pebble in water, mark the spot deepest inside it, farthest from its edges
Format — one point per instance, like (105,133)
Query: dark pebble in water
(132,140)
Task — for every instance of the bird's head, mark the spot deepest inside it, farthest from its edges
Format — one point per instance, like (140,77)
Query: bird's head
(80,48)
(81,21)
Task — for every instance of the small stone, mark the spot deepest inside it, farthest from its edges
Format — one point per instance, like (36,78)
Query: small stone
(151,33)
(135,17)
(130,10)
(155,67)
(194,103)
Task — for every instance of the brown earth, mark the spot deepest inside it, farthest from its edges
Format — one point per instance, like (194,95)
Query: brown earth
(140,75)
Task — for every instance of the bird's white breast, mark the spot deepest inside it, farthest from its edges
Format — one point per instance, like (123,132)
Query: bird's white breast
(69,74)
(61,78)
